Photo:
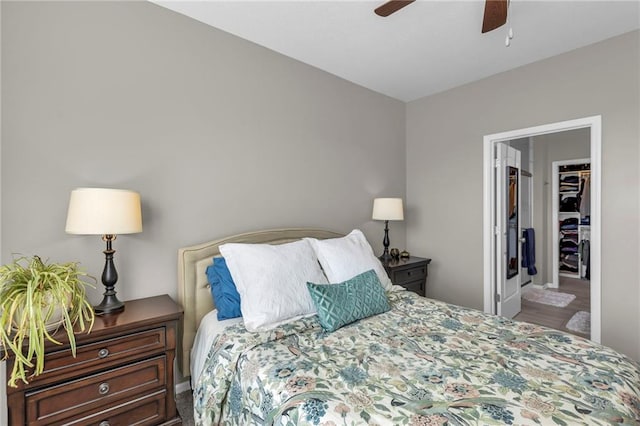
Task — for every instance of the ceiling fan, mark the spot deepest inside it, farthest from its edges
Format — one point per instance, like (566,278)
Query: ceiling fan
(495,12)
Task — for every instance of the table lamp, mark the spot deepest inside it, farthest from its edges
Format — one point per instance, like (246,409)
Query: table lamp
(387,209)
(106,212)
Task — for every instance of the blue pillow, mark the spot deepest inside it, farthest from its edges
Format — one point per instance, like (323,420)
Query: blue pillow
(340,304)
(223,290)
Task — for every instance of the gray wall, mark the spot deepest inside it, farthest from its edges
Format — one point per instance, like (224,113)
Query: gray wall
(3,364)
(444,169)
(219,136)
(569,145)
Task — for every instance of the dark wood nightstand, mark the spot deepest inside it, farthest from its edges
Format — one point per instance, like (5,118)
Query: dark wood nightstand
(122,374)
(410,273)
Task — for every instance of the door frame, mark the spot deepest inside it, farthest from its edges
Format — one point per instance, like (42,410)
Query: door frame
(594,123)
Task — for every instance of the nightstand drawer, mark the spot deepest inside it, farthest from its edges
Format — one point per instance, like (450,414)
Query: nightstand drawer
(103,354)
(415,286)
(74,398)
(145,411)
(403,276)
(410,273)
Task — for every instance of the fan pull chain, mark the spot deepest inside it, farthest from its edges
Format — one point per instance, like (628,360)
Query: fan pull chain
(507,40)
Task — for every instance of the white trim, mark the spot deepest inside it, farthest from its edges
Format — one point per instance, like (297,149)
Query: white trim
(489,141)
(488,240)
(531,286)
(595,252)
(183,387)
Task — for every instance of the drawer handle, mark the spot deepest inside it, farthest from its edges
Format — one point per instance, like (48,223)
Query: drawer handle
(104,423)
(103,353)
(103,389)
(409,273)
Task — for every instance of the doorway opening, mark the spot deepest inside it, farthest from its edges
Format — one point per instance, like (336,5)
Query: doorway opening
(492,241)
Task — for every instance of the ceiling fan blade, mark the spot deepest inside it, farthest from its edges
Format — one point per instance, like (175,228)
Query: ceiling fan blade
(391,6)
(495,14)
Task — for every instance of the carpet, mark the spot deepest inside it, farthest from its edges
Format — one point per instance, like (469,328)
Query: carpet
(553,298)
(184,403)
(580,322)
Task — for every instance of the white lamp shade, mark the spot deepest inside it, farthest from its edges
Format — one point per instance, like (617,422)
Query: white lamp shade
(387,209)
(101,211)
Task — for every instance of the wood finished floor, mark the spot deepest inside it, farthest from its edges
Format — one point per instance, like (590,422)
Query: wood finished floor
(554,317)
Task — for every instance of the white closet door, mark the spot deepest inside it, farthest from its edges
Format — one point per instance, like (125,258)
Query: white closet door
(508,231)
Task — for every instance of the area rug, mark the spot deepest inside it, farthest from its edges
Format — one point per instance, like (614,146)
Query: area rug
(580,322)
(553,298)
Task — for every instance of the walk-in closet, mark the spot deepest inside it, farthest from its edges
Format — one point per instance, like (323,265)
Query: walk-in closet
(571,186)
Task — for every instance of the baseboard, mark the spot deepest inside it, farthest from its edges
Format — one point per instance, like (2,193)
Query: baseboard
(531,286)
(183,387)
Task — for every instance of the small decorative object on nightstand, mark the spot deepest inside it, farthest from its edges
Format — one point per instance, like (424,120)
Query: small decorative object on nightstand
(122,373)
(410,273)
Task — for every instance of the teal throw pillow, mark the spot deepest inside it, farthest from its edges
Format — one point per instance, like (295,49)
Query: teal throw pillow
(340,304)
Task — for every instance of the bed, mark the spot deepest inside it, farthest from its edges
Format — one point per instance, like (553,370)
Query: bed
(422,362)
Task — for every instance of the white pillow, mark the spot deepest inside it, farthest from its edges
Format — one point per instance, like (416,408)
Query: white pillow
(272,281)
(344,258)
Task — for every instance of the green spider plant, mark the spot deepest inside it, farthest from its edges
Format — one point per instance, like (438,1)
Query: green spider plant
(36,300)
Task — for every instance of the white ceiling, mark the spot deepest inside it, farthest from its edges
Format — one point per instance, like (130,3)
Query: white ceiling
(425,48)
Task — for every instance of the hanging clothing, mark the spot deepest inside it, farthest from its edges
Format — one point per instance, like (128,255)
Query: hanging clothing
(584,249)
(585,196)
(529,251)
(588,273)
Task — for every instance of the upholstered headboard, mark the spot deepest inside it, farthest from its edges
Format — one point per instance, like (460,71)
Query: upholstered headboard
(193,289)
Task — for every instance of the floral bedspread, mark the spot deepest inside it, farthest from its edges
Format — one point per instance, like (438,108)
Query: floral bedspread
(422,363)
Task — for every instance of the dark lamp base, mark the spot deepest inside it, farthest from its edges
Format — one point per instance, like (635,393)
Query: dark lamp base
(385,242)
(109,305)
